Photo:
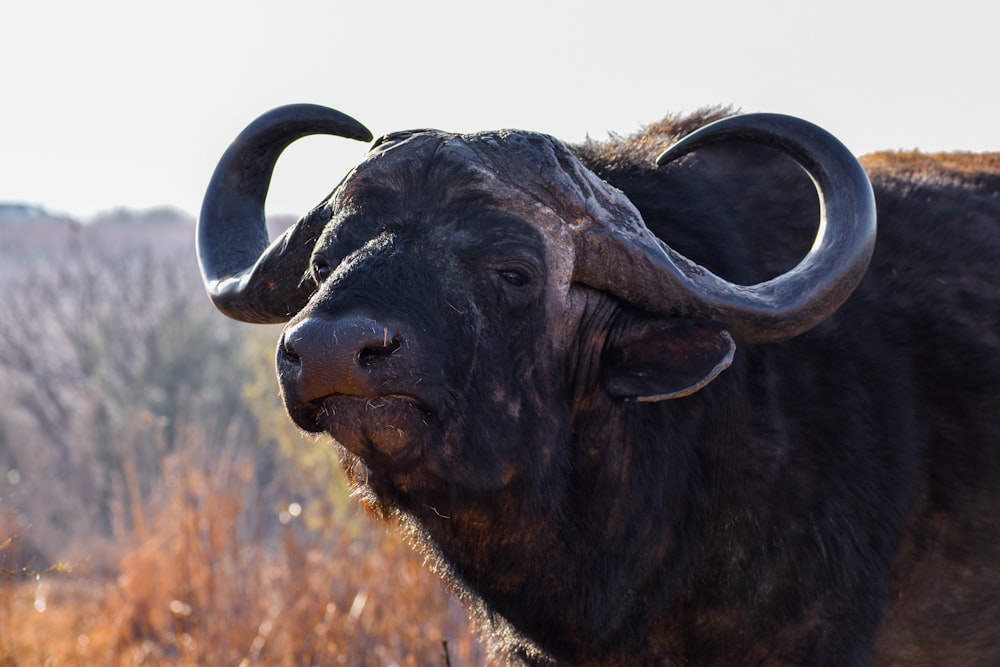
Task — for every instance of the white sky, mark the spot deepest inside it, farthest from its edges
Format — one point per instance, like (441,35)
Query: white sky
(108,103)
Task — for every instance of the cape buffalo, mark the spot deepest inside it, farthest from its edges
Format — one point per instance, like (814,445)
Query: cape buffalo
(600,389)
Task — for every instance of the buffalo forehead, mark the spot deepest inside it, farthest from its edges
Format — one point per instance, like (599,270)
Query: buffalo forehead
(529,174)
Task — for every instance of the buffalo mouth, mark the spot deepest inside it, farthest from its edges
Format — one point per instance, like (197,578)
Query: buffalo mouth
(392,429)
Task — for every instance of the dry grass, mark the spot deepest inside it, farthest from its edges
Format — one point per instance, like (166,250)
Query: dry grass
(200,574)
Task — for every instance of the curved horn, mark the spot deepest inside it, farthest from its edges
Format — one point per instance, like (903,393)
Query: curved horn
(245,278)
(653,276)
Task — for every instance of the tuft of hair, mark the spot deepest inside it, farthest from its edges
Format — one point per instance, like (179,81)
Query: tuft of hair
(622,153)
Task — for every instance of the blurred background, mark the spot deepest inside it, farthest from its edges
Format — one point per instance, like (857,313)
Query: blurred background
(156,506)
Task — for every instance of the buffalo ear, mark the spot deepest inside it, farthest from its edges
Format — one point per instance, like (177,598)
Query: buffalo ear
(666,358)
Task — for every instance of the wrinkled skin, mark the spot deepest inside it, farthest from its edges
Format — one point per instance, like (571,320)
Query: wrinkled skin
(829,500)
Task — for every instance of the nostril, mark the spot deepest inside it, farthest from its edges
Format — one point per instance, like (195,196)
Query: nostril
(288,348)
(371,354)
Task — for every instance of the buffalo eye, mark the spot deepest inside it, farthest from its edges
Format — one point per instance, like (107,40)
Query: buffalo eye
(321,270)
(514,277)
(518,285)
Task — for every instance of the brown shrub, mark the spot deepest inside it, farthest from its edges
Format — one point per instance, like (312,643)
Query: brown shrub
(194,589)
